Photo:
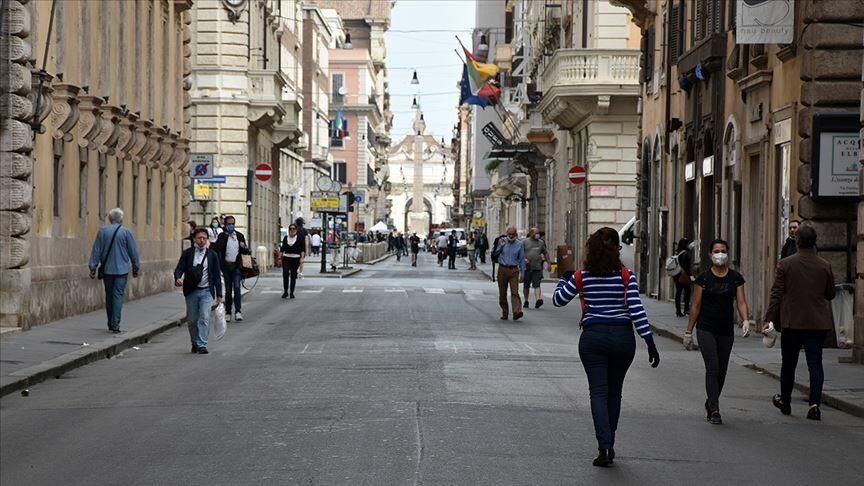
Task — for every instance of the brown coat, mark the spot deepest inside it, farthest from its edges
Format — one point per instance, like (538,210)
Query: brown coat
(802,289)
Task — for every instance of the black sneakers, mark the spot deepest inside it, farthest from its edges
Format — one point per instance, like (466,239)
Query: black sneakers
(538,304)
(203,350)
(785,408)
(715,418)
(194,349)
(518,316)
(814,413)
(604,458)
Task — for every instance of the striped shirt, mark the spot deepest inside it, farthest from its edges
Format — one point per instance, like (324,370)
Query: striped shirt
(604,301)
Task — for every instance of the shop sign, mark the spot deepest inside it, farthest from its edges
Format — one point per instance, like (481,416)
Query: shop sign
(324,202)
(690,171)
(764,21)
(708,166)
(836,149)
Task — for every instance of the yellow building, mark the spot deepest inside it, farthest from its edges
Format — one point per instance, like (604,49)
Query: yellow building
(110,132)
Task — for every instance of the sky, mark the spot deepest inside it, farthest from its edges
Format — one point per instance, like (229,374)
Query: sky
(432,55)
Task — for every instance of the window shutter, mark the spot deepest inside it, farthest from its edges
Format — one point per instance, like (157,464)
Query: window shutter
(674,33)
(649,54)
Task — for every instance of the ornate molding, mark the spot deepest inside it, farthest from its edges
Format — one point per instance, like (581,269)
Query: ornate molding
(46,100)
(64,110)
(89,120)
(109,132)
(126,136)
(169,143)
(154,146)
(142,130)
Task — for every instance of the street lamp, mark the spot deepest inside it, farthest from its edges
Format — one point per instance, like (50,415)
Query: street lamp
(414,104)
(348,44)
(414,79)
(483,44)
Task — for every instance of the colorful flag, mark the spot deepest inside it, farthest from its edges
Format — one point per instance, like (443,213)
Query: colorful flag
(340,125)
(478,73)
(465,95)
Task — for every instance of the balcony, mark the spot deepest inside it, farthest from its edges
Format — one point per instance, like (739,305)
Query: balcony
(579,82)
(266,106)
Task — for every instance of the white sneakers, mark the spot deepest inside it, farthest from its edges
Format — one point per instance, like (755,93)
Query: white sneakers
(238,316)
(227,317)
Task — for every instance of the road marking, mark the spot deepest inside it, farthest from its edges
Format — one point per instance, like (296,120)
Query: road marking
(313,291)
(304,349)
(401,291)
(434,291)
(472,292)
(352,291)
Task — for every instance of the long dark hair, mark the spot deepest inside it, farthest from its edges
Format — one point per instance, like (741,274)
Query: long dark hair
(602,252)
(682,244)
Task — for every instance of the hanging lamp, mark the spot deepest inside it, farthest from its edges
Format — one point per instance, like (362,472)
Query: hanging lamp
(414,79)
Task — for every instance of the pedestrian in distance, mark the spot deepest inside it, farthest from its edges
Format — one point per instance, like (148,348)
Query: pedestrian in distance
(800,304)
(293,253)
(198,272)
(452,246)
(472,252)
(399,245)
(303,234)
(482,243)
(611,309)
(229,246)
(683,280)
(511,272)
(441,248)
(113,255)
(536,256)
(789,246)
(415,249)
(315,243)
(718,292)
(213,231)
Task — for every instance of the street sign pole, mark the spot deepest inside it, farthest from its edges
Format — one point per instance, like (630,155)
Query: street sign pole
(324,246)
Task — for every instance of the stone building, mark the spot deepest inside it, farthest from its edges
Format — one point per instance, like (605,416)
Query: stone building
(246,108)
(104,125)
(358,91)
(728,132)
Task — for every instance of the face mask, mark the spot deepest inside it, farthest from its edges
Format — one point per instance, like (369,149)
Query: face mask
(230,228)
(719,259)
(536,237)
(215,225)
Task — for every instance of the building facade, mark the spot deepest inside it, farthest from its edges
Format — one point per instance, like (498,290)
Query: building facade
(728,132)
(87,134)
(247,98)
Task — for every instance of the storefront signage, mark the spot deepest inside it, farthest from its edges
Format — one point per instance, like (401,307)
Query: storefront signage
(765,21)
(495,137)
(836,149)
(708,166)
(601,191)
(325,202)
(690,171)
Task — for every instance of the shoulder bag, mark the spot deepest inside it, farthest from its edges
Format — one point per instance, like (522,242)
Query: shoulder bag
(100,272)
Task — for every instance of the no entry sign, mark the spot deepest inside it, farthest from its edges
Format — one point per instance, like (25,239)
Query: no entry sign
(577,174)
(263,172)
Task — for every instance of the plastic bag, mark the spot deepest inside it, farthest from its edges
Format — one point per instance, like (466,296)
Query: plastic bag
(220,326)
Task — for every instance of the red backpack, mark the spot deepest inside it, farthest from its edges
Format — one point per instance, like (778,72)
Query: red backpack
(625,276)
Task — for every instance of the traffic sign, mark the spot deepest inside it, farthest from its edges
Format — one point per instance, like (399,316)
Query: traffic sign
(358,198)
(263,172)
(200,165)
(577,174)
(211,180)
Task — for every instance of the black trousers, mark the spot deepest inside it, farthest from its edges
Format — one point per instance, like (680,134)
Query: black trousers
(791,341)
(715,353)
(289,273)
(606,353)
(451,258)
(682,291)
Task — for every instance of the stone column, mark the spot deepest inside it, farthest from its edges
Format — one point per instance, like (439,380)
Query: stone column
(418,220)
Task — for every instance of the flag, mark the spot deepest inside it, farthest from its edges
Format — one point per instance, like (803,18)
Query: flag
(465,95)
(478,73)
(340,125)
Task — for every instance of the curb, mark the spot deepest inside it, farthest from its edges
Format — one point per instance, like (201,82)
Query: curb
(76,359)
(379,259)
(8,332)
(670,335)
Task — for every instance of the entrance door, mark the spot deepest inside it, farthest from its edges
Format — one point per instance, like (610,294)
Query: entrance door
(753,268)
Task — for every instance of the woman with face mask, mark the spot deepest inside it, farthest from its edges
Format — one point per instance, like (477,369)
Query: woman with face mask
(214,230)
(717,293)
(293,252)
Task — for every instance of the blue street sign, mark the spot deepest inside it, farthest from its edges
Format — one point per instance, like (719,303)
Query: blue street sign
(211,180)
(358,198)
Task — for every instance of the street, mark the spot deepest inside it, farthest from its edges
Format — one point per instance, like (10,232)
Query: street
(404,375)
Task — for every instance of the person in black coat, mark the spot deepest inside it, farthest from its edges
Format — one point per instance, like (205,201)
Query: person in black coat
(683,282)
(482,245)
(790,246)
(230,244)
(198,272)
(293,252)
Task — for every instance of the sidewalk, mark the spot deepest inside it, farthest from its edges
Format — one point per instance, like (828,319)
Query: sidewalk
(844,382)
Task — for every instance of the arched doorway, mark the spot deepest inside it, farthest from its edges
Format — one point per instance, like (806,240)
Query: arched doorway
(427,207)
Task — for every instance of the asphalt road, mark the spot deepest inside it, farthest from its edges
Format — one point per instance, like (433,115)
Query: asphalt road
(403,375)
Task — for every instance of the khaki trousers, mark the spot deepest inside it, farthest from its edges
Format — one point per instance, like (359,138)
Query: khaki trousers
(509,276)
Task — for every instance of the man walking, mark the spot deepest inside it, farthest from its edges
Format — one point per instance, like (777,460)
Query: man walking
(415,249)
(789,246)
(230,244)
(452,245)
(482,244)
(198,273)
(315,241)
(800,297)
(113,251)
(511,270)
(535,257)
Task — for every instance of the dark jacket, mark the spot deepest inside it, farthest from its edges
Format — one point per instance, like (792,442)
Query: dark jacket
(800,297)
(221,246)
(789,247)
(297,248)
(685,261)
(184,266)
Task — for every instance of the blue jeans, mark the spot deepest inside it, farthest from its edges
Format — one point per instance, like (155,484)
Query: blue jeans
(791,341)
(606,353)
(198,305)
(232,278)
(115,288)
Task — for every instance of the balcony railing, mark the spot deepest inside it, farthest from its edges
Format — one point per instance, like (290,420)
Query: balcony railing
(589,67)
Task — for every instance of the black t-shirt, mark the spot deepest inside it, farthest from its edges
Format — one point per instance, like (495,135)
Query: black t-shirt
(717,313)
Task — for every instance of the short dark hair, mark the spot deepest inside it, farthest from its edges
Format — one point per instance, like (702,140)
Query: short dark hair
(200,229)
(227,217)
(795,221)
(806,236)
(718,241)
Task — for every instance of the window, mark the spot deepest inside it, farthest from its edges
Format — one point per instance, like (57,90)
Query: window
(120,164)
(336,90)
(649,54)
(730,16)
(82,183)
(705,20)
(340,172)
(675,36)
(103,183)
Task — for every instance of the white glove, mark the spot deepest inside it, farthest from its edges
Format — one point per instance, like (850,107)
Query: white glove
(688,341)
(745,328)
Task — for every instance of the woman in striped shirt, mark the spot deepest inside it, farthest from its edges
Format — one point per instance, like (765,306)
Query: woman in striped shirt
(607,344)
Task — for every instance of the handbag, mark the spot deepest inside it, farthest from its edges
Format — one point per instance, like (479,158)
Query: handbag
(683,278)
(100,271)
(248,266)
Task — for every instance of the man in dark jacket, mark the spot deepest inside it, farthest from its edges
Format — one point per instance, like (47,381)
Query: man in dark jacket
(452,246)
(789,246)
(482,245)
(800,304)
(230,245)
(198,273)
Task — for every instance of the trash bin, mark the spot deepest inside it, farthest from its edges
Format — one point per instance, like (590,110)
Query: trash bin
(564,260)
(843,308)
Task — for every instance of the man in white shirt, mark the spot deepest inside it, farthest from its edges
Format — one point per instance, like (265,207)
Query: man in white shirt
(229,245)
(441,248)
(316,243)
